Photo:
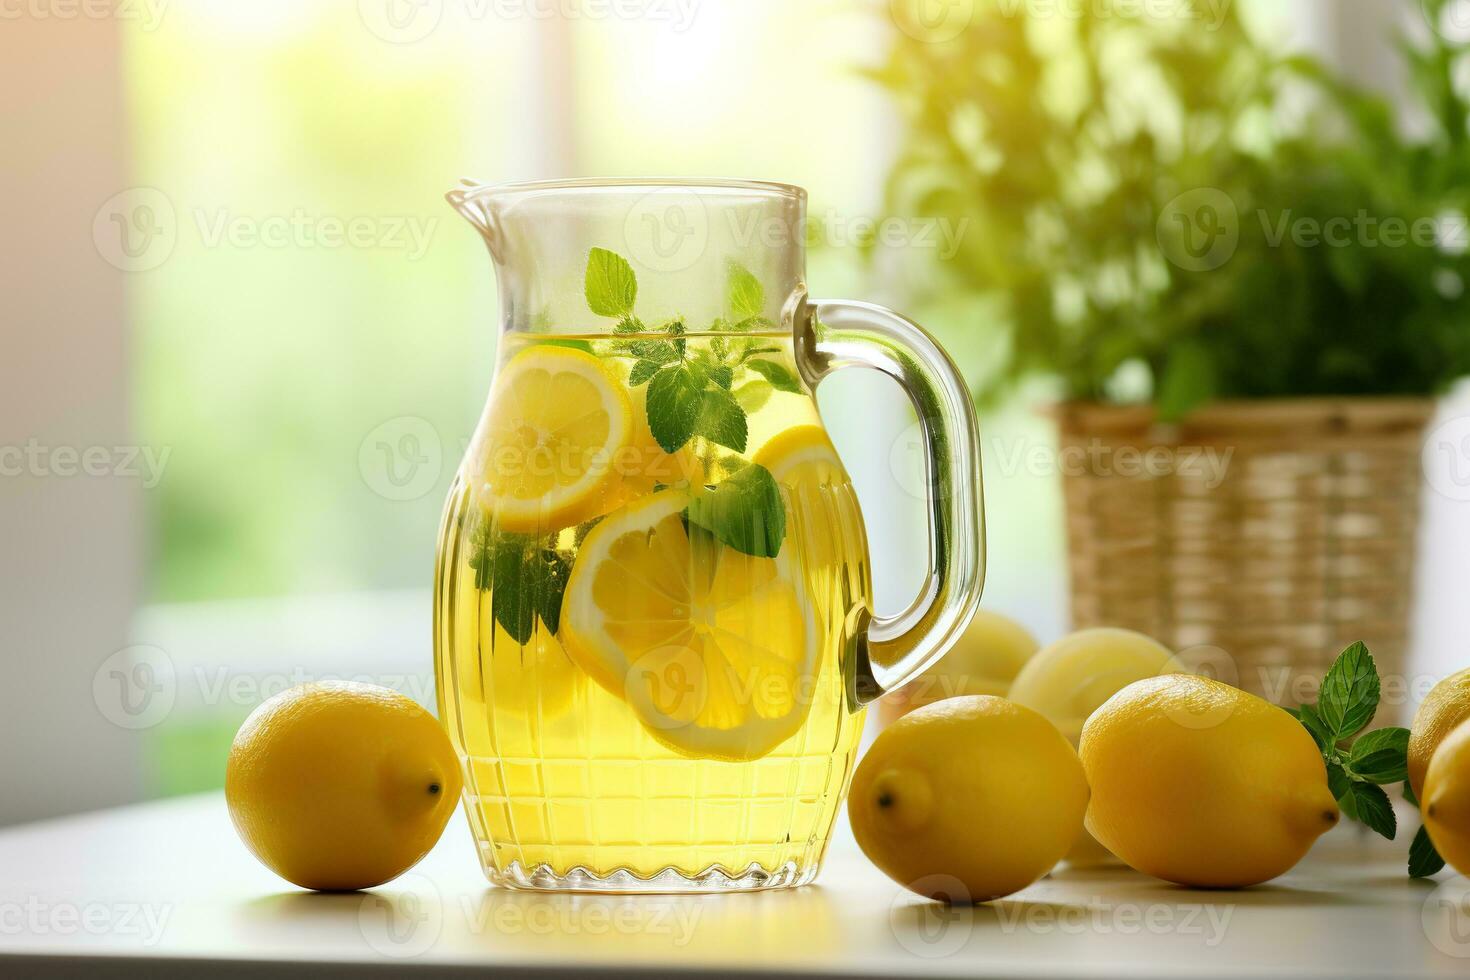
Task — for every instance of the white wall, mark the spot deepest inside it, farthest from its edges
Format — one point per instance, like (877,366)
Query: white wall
(69,545)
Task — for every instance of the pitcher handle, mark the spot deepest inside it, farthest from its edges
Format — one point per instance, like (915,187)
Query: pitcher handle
(834,334)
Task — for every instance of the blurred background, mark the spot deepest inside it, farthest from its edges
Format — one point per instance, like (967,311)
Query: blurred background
(246,340)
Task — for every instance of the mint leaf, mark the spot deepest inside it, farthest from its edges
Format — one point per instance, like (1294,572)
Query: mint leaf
(1373,808)
(1338,781)
(550,587)
(778,375)
(675,399)
(580,345)
(1409,795)
(753,395)
(610,284)
(745,511)
(744,294)
(1424,859)
(721,420)
(1310,720)
(1349,695)
(722,375)
(525,580)
(642,371)
(1381,756)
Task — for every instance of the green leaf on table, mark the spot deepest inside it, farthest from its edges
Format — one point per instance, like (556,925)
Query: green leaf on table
(610,284)
(1424,859)
(780,376)
(745,512)
(1409,795)
(721,420)
(675,400)
(744,294)
(1338,781)
(1373,808)
(1349,695)
(1312,722)
(1381,756)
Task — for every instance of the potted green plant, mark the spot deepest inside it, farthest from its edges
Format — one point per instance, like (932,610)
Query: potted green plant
(1193,243)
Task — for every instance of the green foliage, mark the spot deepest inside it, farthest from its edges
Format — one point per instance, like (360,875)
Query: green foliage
(691,395)
(1358,768)
(1146,191)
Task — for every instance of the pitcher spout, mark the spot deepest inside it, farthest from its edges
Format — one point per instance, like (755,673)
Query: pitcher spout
(475,209)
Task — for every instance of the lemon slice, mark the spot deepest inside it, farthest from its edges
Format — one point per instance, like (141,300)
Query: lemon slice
(802,457)
(804,462)
(711,648)
(556,427)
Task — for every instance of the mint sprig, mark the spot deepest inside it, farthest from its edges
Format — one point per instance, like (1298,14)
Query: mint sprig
(704,393)
(1359,767)
(526,580)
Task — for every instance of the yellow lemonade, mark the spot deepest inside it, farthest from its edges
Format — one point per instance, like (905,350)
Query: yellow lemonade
(651,573)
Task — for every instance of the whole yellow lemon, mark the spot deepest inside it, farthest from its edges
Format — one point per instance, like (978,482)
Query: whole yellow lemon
(984,660)
(1072,677)
(968,799)
(1446,799)
(1069,679)
(1446,706)
(1200,783)
(337,786)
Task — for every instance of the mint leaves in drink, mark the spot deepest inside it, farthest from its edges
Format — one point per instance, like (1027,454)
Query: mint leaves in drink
(1359,767)
(703,393)
(526,578)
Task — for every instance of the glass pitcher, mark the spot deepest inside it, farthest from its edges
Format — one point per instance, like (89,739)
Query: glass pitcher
(654,639)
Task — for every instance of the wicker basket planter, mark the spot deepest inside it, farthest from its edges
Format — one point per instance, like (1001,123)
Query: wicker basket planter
(1259,538)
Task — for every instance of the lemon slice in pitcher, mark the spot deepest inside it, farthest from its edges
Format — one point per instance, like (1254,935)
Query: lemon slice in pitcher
(557,425)
(711,648)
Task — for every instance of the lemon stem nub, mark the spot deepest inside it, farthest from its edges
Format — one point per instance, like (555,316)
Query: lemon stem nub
(433,789)
(885,800)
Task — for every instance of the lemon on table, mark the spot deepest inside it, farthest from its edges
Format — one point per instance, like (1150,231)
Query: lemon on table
(1068,680)
(972,790)
(711,648)
(1446,706)
(1202,784)
(555,430)
(1446,799)
(337,786)
(984,660)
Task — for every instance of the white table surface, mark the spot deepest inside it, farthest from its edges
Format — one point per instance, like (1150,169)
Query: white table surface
(157,888)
